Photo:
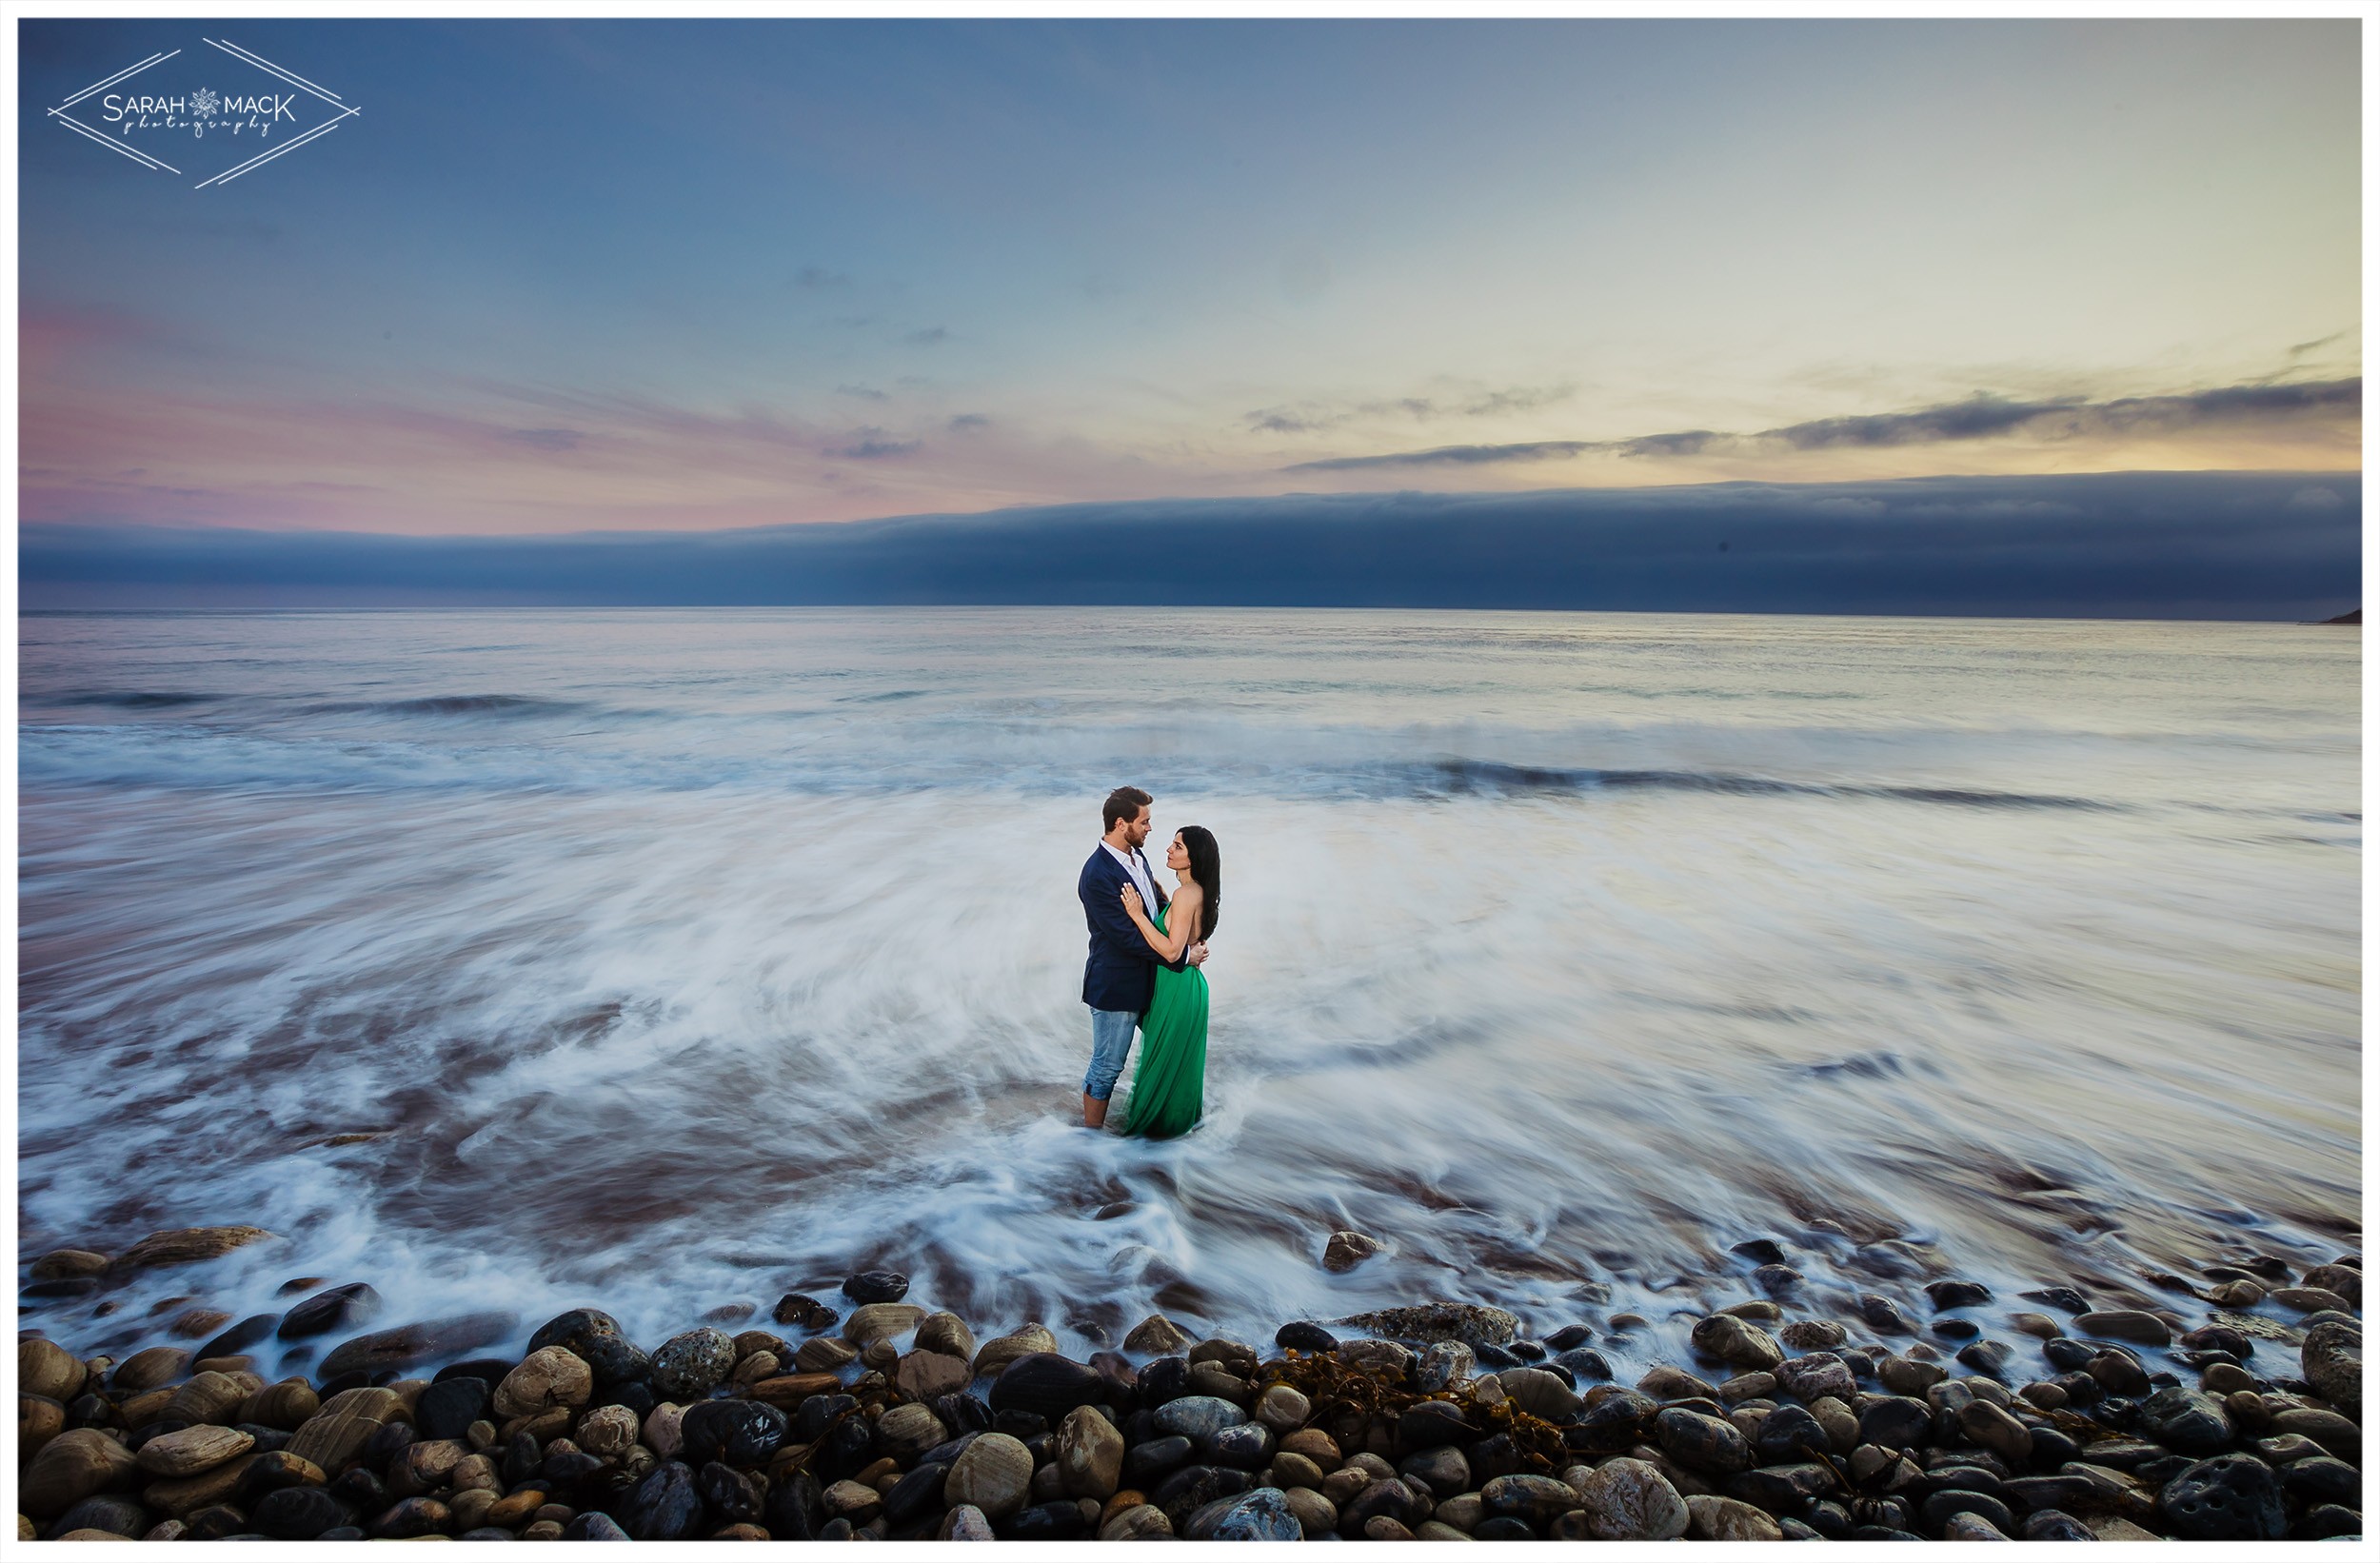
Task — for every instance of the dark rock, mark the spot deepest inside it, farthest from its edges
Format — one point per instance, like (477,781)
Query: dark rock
(1042,1522)
(345,1307)
(602,1528)
(796,1507)
(636,1395)
(849,1446)
(1582,1363)
(2327,1521)
(741,1433)
(1194,1487)
(1830,1519)
(806,1313)
(963,1412)
(1706,1443)
(360,1489)
(2047,1492)
(1502,1528)
(342,1532)
(2230,1497)
(1022,1425)
(487,1370)
(837,1528)
(691,1363)
(2222,1337)
(218,1520)
(1048,1385)
(410,1518)
(2052,1447)
(497,1533)
(1166,1378)
(1529,1351)
(1247,1445)
(1785,1489)
(2054,1525)
(594,1337)
(1988,1357)
(1261,1515)
(1536,1499)
(1489,1355)
(1788,1435)
(2064,1298)
(1957,1293)
(1760,1250)
(564,1472)
(1432,1424)
(1614,1422)
(876,1286)
(450,1406)
(118,1516)
(813,1417)
(1150,1462)
(1939,1507)
(1495,1455)
(1306,1336)
(2120,1371)
(1956,1329)
(2067,1355)
(1569,1337)
(238,1338)
(524,1457)
(917,1495)
(1390,1497)
(664,1506)
(1777,1279)
(1895,1421)
(2319,1479)
(2189,1420)
(410,1345)
(1885,1316)
(729,1496)
(388,1441)
(300,1514)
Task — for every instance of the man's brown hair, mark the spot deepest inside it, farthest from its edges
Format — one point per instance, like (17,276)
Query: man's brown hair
(1123,803)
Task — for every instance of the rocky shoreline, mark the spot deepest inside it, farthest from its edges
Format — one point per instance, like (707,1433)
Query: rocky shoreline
(872,1417)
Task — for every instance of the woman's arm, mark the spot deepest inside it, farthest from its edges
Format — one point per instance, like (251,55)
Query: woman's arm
(1183,911)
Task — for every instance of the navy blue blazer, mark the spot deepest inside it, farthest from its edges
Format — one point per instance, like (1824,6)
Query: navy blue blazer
(1122,972)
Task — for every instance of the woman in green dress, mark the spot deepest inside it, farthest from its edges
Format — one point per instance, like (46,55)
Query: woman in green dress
(1168,1090)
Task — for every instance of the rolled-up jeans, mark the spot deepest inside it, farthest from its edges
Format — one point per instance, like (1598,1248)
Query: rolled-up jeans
(1111,1045)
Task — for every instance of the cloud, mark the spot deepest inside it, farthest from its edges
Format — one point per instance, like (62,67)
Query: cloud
(931,336)
(869,444)
(1534,451)
(2123,545)
(1982,416)
(969,421)
(546,439)
(865,393)
(2300,349)
(811,276)
(1312,418)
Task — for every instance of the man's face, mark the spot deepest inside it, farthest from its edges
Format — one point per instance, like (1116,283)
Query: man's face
(1136,830)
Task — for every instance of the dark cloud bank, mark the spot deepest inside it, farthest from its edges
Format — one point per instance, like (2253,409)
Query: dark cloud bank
(2126,545)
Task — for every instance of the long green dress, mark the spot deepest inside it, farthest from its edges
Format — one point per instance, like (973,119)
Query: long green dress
(1168,1091)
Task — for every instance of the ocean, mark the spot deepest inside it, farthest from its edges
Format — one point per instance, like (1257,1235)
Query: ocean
(665,961)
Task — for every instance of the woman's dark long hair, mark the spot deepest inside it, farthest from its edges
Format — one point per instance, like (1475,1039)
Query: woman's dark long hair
(1206,866)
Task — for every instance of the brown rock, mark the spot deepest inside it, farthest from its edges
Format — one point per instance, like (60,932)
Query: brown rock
(2311,1299)
(285,1405)
(1347,1250)
(66,1264)
(924,1375)
(881,1321)
(1090,1455)
(1157,1336)
(516,1509)
(147,1370)
(1727,1519)
(197,1323)
(187,1245)
(1025,1341)
(192,1450)
(75,1465)
(1142,1522)
(946,1333)
(48,1370)
(335,1435)
(38,1421)
(553,1376)
(792,1388)
(411,1344)
(208,1398)
(1314,1445)
(824,1353)
(2126,1324)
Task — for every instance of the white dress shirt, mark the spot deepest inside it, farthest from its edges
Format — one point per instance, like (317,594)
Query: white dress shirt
(1137,867)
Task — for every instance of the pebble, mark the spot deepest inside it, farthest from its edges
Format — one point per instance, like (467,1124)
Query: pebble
(2126,1324)
(1628,1499)
(1343,1251)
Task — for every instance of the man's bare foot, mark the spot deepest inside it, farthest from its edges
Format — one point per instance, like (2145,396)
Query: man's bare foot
(1094,1112)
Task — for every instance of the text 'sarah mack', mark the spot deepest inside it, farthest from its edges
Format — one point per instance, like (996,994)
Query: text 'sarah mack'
(116,106)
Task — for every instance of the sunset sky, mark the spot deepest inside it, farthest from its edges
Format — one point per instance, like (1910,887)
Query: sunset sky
(595,275)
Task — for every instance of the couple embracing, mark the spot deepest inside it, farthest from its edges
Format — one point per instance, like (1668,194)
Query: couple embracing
(1146,949)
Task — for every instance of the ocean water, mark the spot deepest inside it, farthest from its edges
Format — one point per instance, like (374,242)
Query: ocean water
(665,960)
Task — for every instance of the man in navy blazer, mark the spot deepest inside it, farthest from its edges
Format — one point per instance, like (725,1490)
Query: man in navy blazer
(1121,975)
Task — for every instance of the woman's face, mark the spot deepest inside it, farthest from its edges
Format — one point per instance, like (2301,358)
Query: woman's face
(1177,856)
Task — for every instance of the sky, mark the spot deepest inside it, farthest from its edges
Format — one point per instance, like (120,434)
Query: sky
(556,277)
